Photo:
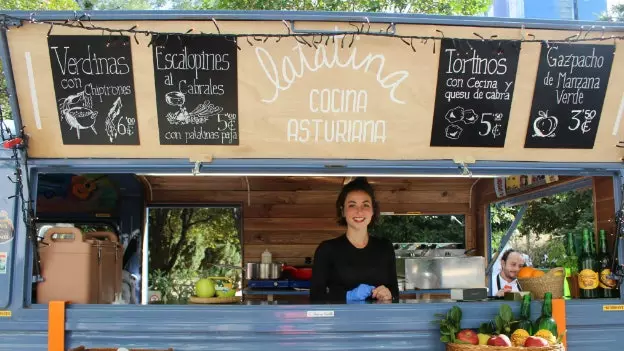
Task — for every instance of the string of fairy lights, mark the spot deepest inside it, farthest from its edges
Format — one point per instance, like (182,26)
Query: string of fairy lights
(17,141)
(83,21)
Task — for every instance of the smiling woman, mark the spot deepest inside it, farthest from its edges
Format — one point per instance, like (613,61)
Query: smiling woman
(355,267)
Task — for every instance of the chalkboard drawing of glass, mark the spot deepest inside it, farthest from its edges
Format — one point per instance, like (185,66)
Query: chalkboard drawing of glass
(199,115)
(77,111)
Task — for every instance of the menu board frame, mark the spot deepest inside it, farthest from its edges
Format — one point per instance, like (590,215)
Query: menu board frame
(93,82)
(476,80)
(196,85)
(570,88)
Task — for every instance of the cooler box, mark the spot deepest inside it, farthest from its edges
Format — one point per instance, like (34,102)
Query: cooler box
(79,268)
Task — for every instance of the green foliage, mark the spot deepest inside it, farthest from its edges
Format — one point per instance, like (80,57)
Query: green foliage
(27,5)
(38,5)
(122,4)
(185,242)
(616,14)
(433,229)
(440,7)
(554,216)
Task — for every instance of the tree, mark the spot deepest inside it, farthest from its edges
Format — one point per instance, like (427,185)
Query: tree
(121,4)
(430,229)
(440,7)
(552,216)
(28,5)
(185,242)
(616,14)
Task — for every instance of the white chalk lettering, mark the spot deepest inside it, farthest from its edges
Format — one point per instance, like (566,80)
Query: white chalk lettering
(323,59)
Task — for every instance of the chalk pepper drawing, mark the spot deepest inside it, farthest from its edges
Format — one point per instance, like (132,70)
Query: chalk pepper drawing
(112,119)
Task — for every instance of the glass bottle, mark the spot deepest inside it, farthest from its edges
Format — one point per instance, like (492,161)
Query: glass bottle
(546,321)
(525,315)
(588,271)
(608,287)
(592,243)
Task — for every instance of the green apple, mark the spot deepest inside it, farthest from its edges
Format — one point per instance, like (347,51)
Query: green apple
(205,288)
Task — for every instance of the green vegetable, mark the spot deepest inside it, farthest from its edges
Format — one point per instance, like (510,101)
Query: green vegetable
(525,314)
(546,321)
(503,320)
(487,328)
(449,324)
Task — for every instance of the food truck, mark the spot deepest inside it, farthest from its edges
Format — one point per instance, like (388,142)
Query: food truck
(124,118)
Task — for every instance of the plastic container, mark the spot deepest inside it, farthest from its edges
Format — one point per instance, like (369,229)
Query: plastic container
(266,257)
(79,268)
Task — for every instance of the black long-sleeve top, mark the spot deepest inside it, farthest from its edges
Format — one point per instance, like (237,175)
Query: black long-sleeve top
(339,267)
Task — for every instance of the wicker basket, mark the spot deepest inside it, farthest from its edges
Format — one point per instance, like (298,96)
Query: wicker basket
(551,282)
(470,347)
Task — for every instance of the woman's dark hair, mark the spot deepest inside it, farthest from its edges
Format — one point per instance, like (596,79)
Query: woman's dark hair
(357,184)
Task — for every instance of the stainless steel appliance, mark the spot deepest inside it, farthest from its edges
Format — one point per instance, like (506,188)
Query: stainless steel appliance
(257,270)
(445,272)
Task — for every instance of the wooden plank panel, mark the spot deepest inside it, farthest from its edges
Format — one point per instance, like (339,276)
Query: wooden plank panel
(302,183)
(488,195)
(294,261)
(304,197)
(604,207)
(416,184)
(252,253)
(240,183)
(328,210)
(290,224)
(289,237)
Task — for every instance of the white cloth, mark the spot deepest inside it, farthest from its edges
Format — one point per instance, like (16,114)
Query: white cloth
(502,283)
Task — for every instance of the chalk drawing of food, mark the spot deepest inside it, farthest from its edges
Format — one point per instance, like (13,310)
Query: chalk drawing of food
(112,119)
(77,111)
(544,125)
(455,115)
(199,115)
(453,131)
(470,117)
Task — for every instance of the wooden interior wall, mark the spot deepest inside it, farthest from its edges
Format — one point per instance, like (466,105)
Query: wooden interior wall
(290,216)
(604,208)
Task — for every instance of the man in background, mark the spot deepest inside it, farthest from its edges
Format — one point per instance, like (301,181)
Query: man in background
(507,280)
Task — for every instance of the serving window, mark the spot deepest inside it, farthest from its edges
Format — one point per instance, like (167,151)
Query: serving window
(172,230)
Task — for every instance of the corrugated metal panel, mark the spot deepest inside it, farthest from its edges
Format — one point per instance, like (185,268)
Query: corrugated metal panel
(354,327)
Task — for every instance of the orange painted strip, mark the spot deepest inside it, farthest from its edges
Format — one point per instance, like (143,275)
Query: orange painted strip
(559,315)
(56,326)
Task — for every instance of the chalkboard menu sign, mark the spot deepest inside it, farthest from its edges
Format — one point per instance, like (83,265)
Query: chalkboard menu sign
(196,90)
(94,89)
(569,92)
(475,87)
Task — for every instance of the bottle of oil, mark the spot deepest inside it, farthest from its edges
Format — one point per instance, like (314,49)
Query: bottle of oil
(588,279)
(608,287)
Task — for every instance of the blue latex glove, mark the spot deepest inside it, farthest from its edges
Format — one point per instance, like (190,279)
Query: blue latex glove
(360,293)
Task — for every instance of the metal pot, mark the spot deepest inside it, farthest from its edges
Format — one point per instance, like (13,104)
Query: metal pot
(263,270)
(252,271)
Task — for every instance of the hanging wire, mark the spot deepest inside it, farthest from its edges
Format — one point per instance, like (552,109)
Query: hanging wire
(19,147)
